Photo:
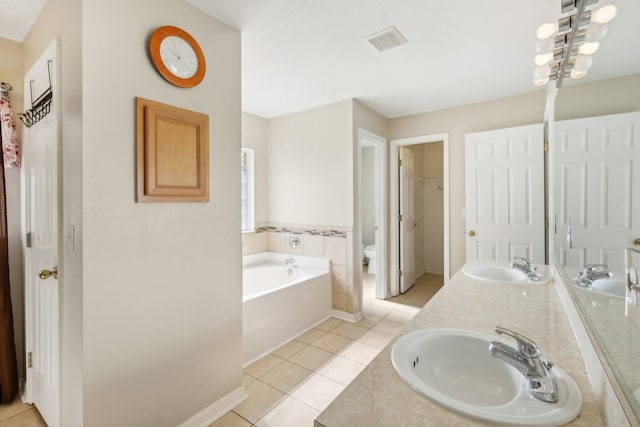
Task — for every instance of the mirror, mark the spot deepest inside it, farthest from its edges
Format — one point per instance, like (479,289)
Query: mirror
(594,165)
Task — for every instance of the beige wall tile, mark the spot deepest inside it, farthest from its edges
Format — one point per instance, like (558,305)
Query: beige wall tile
(247,243)
(349,245)
(260,242)
(275,241)
(314,246)
(339,301)
(339,278)
(335,248)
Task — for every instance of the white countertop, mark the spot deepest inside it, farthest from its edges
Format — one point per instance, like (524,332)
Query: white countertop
(378,397)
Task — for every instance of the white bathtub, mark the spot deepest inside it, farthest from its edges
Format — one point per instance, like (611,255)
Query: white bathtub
(281,300)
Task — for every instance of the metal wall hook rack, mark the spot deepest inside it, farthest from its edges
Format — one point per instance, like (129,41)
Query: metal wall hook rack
(41,106)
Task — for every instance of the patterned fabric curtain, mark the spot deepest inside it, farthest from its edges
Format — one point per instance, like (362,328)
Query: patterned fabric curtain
(8,362)
(10,144)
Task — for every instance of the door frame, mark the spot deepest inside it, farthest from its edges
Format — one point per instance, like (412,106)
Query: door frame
(380,172)
(394,266)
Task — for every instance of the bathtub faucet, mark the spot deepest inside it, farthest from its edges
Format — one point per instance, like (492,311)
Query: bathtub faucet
(290,260)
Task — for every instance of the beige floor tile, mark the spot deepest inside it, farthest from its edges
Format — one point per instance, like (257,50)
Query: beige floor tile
(29,418)
(376,338)
(384,304)
(407,309)
(262,366)
(10,409)
(247,379)
(311,335)
(332,343)
(310,357)
(262,398)
(360,352)
(231,419)
(400,316)
(376,311)
(349,330)
(388,326)
(341,369)
(329,324)
(367,321)
(290,413)
(286,376)
(289,349)
(318,391)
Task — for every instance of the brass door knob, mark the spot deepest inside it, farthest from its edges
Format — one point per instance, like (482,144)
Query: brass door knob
(416,225)
(45,274)
(471,233)
(636,242)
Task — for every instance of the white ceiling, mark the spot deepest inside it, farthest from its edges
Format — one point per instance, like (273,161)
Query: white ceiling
(299,54)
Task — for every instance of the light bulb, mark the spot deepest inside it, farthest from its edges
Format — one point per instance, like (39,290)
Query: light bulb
(604,14)
(595,32)
(545,46)
(588,48)
(582,63)
(546,30)
(541,75)
(543,58)
(578,74)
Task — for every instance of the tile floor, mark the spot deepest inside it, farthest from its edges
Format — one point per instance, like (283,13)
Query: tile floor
(292,385)
(19,414)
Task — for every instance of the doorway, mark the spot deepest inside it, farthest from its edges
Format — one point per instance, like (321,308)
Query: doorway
(371,234)
(419,210)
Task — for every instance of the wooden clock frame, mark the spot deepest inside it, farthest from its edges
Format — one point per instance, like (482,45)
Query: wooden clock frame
(154,50)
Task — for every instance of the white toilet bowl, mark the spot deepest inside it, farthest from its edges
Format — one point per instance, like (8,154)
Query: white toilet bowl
(370,253)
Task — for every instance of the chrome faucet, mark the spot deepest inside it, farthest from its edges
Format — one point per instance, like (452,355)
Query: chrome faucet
(593,272)
(290,260)
(528,361)
(526,266)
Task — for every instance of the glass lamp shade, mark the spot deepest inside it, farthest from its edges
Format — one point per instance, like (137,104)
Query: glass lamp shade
(541,75)
(546,30)
(545,45)
(604,14)
(582,63)
(595,32)
(588,48)
(578,74)
(543,58)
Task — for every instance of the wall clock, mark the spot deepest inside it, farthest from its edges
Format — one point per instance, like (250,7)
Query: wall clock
(177,56)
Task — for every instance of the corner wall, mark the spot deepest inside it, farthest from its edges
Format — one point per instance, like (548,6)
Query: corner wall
(162,281)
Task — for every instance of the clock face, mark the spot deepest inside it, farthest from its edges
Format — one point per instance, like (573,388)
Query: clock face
(179,57)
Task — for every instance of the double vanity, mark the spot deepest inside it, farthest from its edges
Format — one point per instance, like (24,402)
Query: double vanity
(440,370)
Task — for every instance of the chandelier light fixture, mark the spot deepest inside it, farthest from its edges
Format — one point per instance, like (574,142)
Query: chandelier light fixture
(564,47)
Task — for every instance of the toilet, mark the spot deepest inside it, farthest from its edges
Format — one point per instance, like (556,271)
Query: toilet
(370,253)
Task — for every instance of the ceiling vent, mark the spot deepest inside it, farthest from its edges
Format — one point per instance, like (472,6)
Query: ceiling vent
(386,39)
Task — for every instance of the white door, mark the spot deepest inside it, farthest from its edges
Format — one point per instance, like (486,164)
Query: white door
(40,202)
(597,176)
(407,229)
(504,189)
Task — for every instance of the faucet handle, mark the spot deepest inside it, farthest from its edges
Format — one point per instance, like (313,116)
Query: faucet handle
(526,346)
(525,261)
(591,268)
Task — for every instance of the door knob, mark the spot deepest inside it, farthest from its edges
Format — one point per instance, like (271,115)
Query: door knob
(415,225)
(471,233)
(636,242)
(45,274)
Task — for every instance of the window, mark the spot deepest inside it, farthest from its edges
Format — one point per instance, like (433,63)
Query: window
(246,189)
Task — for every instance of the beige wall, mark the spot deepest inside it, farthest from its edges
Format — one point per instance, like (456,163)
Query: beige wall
(11,71)
(62,19)
(612,96)
(367,198)
(153,336)
(311,166)
(162,281)
(433,209)
(502,113)
(254,136)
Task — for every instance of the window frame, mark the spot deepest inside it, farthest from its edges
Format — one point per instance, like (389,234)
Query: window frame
(249,155)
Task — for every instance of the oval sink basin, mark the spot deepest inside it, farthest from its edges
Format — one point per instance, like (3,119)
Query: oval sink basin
(611,287)
(496,273)
(455,369)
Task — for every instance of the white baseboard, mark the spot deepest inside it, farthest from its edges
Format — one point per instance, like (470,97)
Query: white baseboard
(349,317)
(217,409)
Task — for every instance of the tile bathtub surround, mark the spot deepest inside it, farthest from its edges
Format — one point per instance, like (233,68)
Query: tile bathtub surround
(333,243)
(379,397)
(291,386)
